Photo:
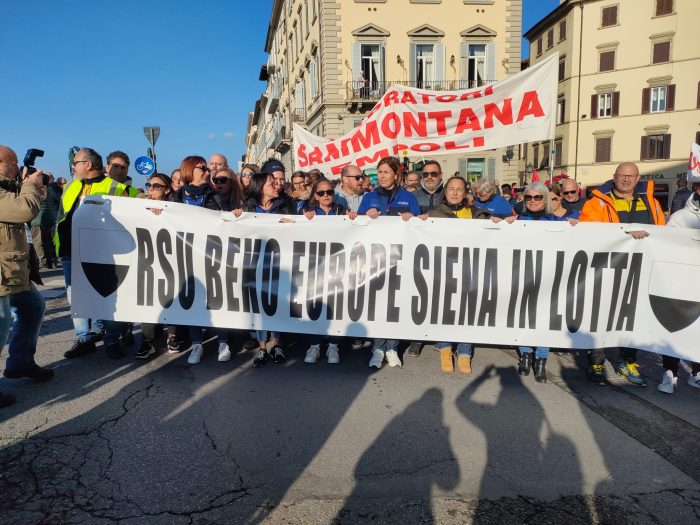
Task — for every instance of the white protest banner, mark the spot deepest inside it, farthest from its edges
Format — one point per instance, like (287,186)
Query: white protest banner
(511,111)
(526,283)
(694,164)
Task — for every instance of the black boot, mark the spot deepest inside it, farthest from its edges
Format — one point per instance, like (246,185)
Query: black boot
(541,370)
(525,364)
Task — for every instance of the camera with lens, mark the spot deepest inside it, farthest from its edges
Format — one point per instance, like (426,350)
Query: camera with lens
(30,159)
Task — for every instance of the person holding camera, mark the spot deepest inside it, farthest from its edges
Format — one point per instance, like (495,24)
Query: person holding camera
(20,201)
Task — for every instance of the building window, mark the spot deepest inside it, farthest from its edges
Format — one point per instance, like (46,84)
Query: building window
(371,64)
(475,169)
(562,30)
(550,38)
(609,16)
(425,65)
(536,155)
(313,9)
(539,46)
(605,105)
(561,111)
(603,149)
(557,152)
(664,7)
(661,53)
(476,65)
(607,61)
(313,78)
(656,147)
(562,69)
(659,98)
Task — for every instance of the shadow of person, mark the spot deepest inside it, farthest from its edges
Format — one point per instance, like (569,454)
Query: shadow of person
(414,452)
(524,451)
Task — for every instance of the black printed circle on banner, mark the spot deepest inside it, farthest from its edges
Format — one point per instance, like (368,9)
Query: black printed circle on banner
(674,295)
(105,257)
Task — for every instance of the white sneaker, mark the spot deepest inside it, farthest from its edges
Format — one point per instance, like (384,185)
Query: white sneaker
(196,354)
(377,359)
(312,354)
(694,380)
(668,382)
(332,354)
(393,358)
(224,352)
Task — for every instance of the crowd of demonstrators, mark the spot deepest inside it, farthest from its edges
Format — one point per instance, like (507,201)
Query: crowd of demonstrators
(213,185)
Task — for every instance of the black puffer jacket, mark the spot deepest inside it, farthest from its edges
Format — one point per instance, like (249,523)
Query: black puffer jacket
(282,205)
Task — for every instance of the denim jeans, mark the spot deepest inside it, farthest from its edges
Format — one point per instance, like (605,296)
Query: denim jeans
(262,335)
(462,348)
(81,325)
(541,352)
(196,334)
(315,339)
(28,310)
(387,345)
(5,320)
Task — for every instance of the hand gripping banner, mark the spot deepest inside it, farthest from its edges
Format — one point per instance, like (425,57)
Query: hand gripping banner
(526,283)
(512,111)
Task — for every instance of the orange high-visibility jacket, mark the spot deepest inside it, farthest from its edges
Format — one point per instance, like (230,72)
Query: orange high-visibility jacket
(600,208)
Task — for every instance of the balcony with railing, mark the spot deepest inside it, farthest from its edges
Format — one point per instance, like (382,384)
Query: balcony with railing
(366,91)
(299,115)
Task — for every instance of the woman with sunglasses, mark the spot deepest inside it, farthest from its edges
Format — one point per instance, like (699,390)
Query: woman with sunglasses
(321,203)
(247,171)
(538,207)
(455,205)
(388,198)
(226,185)
(197,191)
(265,195)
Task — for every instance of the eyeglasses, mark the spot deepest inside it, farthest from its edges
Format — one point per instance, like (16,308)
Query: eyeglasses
(323,193)
(625,176)
(572,192)
(204,169)
(78,161)
(358,178)
(430,174)
(220,180)
(300,183)
(537,198)
(246,174)
(155,186)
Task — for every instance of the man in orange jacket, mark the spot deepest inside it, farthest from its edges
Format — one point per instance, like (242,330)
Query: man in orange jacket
(624,199)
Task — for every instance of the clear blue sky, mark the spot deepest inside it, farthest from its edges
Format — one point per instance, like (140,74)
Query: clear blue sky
(94,72)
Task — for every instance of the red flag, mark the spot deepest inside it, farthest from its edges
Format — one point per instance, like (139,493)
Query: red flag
(535,177)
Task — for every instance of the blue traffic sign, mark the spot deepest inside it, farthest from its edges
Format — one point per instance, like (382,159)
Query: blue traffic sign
(145,166)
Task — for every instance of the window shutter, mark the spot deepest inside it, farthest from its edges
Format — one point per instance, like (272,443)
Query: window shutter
(464,63)
(670,97)
(550,38)
(613,15)
(539,46)
(412,62)
(562,69)
(491,168)
(664,7)
(662,52)
(607,61)
(616,104)
(594,106)
(646,98)
(599,150)
(667,146)
(382,66)
(562,30)
(490,62)
(698,102)
(697,138)
(439,63)
(356,61)
(644,154)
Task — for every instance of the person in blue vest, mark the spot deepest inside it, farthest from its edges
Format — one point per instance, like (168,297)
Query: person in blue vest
(387,199)
(488,199)
(538,207)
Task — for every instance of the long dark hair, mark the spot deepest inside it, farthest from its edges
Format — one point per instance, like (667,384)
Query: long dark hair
(313,199)
(255,188)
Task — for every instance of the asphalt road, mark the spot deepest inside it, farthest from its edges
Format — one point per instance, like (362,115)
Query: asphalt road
(164,442)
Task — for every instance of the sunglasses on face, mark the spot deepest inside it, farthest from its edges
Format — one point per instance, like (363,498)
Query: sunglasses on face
(572,192)
(220,180)
(155,186)
(323,193)
(536,198)
(358,178)
(430,174)
(204,169)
